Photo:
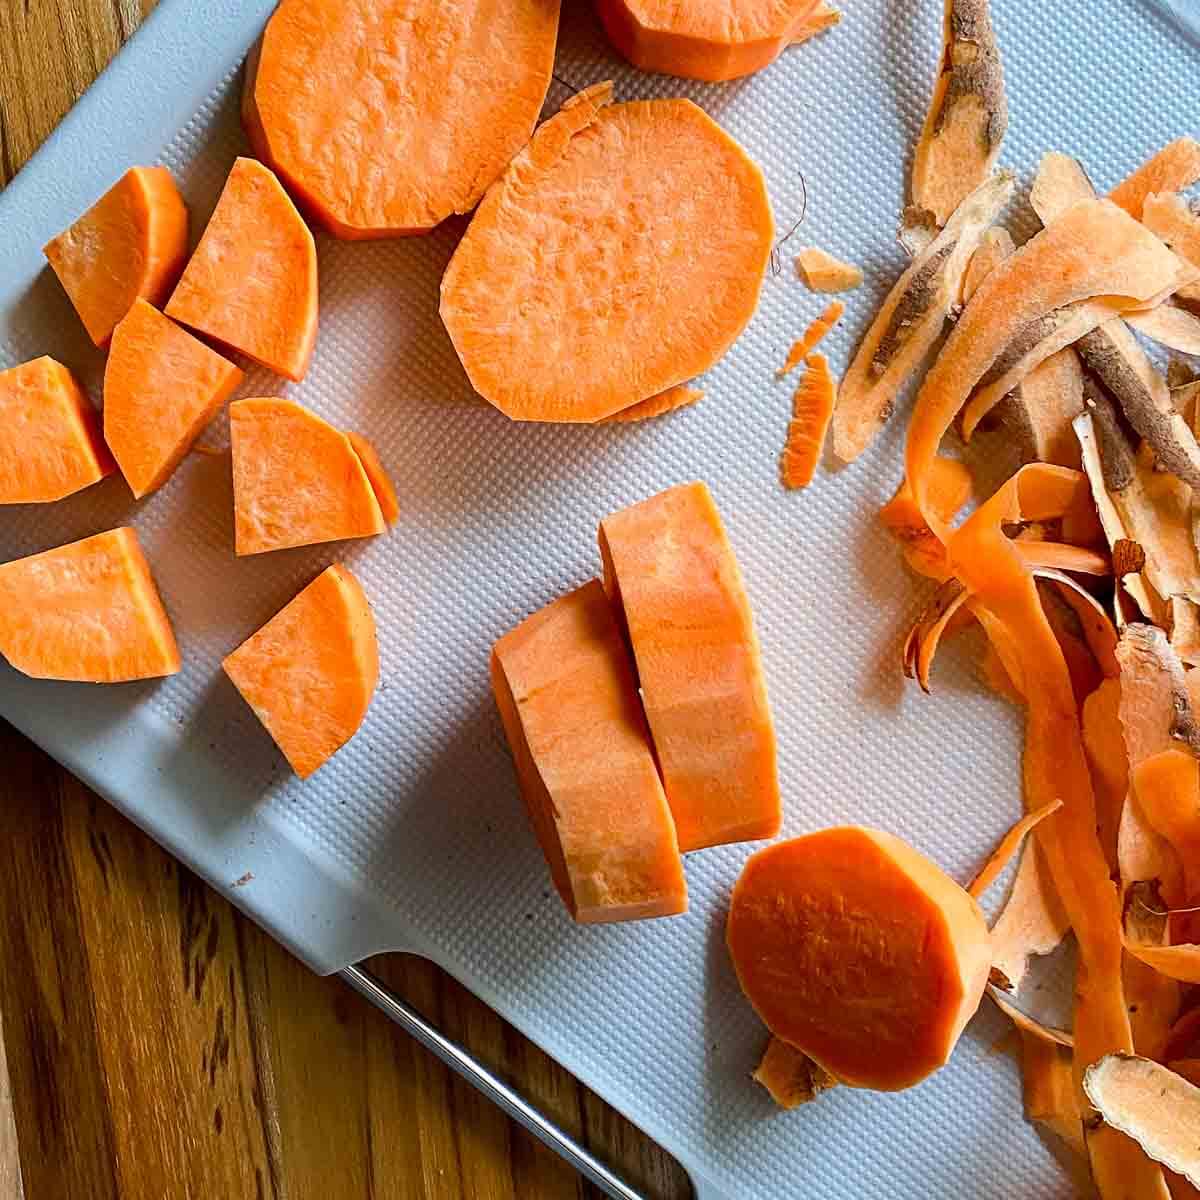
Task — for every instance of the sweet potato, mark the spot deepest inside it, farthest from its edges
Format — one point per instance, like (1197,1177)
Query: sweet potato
(967,117)
(1093,250)
(296,479)
(385,117)
(570,709)
(252,281)
(1175,167)
(377,477)
(309,673)
(50,443)
(812,409)
(792,1078)
(131,243)
(712,40)
(1008,846)
(1172,219)
(87,611)
(910,320)
(1104,745)
(161,388)
(950,489)
(824,273)
(673,577)
(813,336)
(1060,182)
(680,396)
(545,340)
(859,952)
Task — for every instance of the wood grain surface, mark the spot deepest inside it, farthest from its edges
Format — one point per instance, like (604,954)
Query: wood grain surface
(153,1042)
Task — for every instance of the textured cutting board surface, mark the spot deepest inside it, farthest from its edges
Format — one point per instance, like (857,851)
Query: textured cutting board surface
(413,837)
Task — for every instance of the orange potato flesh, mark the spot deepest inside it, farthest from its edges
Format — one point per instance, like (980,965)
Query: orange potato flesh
(680,396)
(50,443)
(87,611)
(577,290)
(713,40)
(377,476)
(131,243)
(1175,167)
(309,673)
(384,117)
(161,388)
(569,704)
(949,490)
(791,1078)
(674,579)
(824,273)
(812,410)
(252,281)
(296,479)
(813,336)
(859,952)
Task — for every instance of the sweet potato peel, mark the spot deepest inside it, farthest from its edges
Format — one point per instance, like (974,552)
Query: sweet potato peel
(996,245)
(1008,846)
(950,489)
(1169,325)
(681,396)
(1175,167)
(812,410)
(968,116)
(911,319)
(813,336)
(1060,182)
(1172,219)
(1032,923)
(791,1077)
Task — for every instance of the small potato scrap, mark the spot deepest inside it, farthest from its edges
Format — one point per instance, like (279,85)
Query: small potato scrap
(791,1077)
(812,410)
(813,336)
(824,273)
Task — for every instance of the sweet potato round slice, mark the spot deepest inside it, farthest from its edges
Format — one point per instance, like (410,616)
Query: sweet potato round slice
(712,40)
(387,116)
(296,479)
(132,242)
(578,289)
(50,443)
(161,388)
(309,673)
(670,569)
(859,952)
(87,611)
(570,710)
(252,282)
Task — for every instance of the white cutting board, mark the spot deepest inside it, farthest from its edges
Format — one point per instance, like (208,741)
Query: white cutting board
(413,837)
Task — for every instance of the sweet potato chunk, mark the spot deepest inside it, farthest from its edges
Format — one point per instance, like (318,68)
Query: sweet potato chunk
(824,273)
(309,673)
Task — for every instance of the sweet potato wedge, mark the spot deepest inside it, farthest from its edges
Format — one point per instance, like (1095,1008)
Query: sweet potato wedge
(130,244)
(309,673)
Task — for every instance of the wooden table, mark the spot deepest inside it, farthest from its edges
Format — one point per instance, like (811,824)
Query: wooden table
(154,1042)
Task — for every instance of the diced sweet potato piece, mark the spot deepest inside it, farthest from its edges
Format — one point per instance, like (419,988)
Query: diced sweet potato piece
(87,611)
(131,243)
(309,673)
(50,443)
(578,736)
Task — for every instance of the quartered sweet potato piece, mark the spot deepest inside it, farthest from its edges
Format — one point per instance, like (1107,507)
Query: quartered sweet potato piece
(377,477)
(812,410)
(792,1078)
(50,443)
(252,281)
(1175,167)
(545,340)
(87,611)
(131,243)
(309,673)
(296,479)
(673,577)
(161,388)
(967,117)
(911,320)
(712,40)
(570,709)
(384,117)
(824,273)
(680,396)
(813,336)
(1093,250)
(859,952)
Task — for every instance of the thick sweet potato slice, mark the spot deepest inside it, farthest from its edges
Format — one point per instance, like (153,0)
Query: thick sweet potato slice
(813,336)
(545,340)
(824,273)
(859,952)
(161,388)
(252,282)
(131,243)
(296,479)
(87,611)
(1172,219)
(680,396)
(582,751)
(50,443)
(1175,167)
(812,410)
(792,1078)
(712,40)
(671,572)
(911,320)
(377,477)
(385,117)
(309,673)
(1093,250)
(967,117)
